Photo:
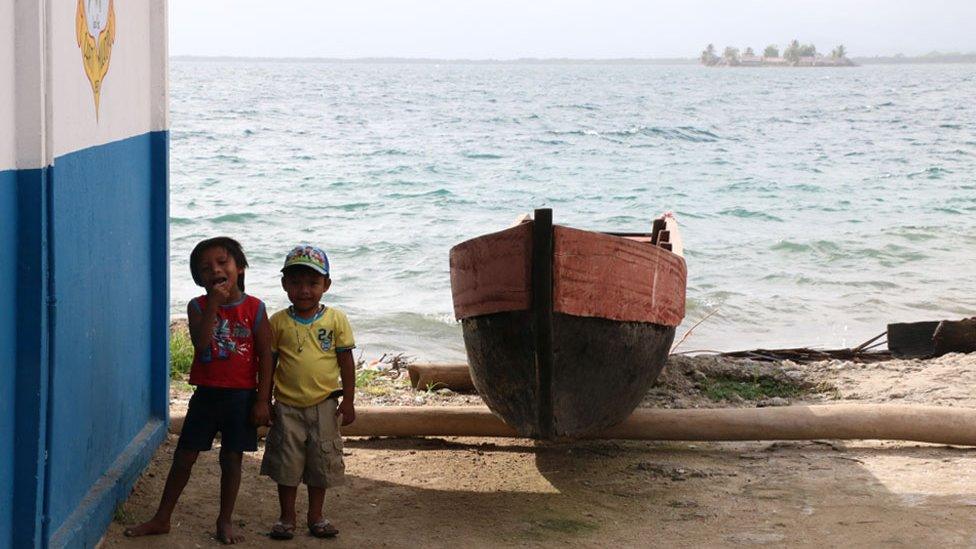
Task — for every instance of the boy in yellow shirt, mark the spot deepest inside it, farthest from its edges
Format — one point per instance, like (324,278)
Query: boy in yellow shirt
(313,347)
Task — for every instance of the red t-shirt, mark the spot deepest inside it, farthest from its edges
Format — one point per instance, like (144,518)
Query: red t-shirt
(231,361)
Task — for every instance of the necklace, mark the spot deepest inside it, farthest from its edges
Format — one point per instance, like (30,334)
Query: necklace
(300,334)
(301,340)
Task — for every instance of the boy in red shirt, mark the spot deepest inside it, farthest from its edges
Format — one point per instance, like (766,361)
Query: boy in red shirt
(232,373)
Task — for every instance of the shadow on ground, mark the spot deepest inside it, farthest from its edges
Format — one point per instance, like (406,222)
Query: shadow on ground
(490,493)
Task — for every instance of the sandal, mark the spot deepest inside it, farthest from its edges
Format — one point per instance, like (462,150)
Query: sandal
(323,529)
(282,531)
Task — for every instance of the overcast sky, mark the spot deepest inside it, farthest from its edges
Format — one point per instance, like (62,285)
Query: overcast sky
(505,29)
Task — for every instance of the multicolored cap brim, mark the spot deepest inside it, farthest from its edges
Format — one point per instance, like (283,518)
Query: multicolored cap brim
(308,256)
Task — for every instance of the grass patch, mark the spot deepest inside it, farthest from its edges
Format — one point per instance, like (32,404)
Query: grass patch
(366,376)
(566,526)
(723,388)
(180,353)
(375,390)
(542,530)
(121,515)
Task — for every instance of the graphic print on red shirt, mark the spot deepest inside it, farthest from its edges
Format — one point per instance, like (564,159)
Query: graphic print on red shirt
(230,361)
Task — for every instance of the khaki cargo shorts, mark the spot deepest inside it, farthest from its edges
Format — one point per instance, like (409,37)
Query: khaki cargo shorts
(304,445)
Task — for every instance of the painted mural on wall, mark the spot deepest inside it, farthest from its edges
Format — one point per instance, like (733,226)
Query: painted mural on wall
(95,29)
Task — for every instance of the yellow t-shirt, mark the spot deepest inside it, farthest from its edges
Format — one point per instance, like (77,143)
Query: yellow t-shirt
(308,370)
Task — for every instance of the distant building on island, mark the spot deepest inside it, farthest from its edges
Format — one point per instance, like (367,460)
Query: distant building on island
(795,55)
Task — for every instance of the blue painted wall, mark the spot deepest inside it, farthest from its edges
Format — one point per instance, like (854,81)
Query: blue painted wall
(84,362)
(102,259)
(31,366)
(8,339)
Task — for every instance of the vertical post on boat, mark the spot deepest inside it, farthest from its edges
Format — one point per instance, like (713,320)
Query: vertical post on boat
(542,252)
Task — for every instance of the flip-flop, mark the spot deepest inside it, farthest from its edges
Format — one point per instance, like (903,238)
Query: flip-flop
(282,531)
(323,529)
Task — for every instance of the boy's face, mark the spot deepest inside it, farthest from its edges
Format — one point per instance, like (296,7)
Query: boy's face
(217,268)
(304,287)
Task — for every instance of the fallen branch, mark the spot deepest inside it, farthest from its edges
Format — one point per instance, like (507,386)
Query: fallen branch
(692,329)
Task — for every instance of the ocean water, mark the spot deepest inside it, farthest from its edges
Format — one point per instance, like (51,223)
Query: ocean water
(816,205)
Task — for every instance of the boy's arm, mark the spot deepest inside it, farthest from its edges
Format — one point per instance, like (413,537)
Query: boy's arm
(262,345)
(347,372)
(201,324)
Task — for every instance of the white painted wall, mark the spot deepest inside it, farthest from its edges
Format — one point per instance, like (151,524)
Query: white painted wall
(128,105)
(7,124)
(47,107)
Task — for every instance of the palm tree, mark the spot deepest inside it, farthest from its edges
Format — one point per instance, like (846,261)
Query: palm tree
(839,52)
(792,52)
(771,51)
(731,55)
(750,53)
(708,56)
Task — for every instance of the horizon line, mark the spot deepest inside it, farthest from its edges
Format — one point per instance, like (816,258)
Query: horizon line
(971,56)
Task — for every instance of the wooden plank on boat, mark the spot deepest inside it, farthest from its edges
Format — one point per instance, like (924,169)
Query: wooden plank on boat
(656,229)
(542,309)
(675,243)
(492,273)
(598,275)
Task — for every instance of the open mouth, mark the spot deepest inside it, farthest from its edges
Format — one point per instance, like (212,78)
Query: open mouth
(219,280)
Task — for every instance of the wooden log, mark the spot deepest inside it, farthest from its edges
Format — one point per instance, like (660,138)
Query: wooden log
(176,426)
(933,338)
(455,377)
(934,424)
(912,339)
(427,421)
(955,336)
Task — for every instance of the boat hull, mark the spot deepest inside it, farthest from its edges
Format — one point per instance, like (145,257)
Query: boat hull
(565,330)
(601,369)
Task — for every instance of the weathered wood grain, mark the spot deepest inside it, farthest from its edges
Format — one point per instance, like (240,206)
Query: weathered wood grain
(603,276)
(492,273)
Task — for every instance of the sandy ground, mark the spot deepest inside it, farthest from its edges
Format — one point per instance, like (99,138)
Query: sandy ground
(449,492)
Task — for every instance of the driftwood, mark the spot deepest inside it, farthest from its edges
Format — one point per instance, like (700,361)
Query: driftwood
(955,336)
(935,424)
(455,377)
(804,355)
(912,339)
(932,338)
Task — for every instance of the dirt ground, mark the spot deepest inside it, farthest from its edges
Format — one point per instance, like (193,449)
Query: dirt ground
(449,492)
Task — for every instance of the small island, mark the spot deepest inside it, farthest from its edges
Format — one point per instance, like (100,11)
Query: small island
(795,55)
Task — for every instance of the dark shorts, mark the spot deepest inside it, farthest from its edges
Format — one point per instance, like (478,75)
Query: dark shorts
(214,410)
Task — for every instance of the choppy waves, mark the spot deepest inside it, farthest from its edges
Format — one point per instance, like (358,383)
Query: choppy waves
(813,215)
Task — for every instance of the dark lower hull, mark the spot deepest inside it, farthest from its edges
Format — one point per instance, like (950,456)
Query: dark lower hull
(600,370)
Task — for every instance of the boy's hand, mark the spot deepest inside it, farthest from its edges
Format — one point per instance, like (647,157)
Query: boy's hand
(347,410)
(219,294)
(260,414)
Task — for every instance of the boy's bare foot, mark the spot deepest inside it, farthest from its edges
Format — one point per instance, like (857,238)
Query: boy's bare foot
(151,527)
(226,535)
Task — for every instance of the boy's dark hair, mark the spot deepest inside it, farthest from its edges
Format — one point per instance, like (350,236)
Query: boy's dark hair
(232,247)
(301,268)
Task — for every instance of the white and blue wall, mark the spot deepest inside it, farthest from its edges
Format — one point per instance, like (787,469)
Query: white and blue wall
(83,267)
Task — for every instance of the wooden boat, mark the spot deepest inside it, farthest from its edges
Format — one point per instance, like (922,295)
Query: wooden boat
(566,329)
